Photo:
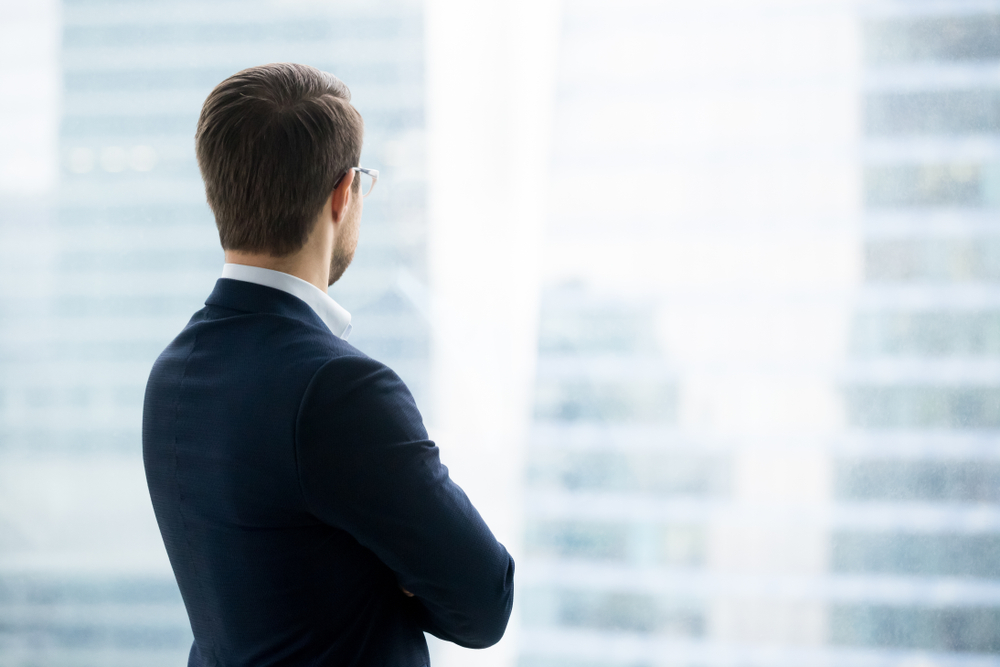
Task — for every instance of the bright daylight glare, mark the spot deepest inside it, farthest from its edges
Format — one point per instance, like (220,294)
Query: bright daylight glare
(700,300)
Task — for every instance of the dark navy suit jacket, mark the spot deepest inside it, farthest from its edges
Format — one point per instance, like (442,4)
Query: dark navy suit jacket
(296,492)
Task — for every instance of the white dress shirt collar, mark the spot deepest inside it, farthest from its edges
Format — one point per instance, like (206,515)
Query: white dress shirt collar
(331,312)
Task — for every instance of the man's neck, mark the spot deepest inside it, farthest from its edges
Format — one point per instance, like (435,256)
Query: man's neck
(300,264)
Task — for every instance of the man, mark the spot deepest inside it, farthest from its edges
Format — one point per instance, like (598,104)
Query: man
(306,515)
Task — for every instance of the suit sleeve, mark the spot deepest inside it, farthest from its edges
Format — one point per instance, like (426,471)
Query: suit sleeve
(367,467)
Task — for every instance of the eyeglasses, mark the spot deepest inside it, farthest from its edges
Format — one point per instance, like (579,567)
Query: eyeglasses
(368,178)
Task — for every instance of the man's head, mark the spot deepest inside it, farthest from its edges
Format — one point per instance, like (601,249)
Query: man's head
(272,143)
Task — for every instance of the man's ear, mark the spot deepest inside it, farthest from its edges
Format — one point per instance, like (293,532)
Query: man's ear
(341,197)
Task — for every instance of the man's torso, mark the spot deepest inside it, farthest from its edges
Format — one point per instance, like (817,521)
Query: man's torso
(264,580)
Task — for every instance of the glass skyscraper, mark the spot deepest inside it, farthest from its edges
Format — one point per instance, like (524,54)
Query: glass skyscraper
(765,431)
(923,390)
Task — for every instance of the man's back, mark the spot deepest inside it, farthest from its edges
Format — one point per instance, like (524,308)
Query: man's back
(297,495)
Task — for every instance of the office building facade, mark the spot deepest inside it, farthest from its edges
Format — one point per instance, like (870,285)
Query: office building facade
(766,399)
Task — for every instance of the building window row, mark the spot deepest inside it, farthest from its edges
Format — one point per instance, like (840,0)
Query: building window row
(902,406)
(956,629)
(612,611)
(926,333)
(623,471)
(615,401)
(946,112)
(894,480)
(955,38)
(963,185)
(622,542)
(933,260)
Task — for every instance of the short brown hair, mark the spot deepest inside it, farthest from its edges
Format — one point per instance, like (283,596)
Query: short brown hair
(272,142)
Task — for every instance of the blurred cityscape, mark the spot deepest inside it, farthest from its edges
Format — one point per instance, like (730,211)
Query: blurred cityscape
(767,395)
(773,442)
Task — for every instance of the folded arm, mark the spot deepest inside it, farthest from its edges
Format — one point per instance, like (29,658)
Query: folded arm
(367,467)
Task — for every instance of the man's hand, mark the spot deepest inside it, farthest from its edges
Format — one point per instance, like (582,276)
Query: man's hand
(406,592)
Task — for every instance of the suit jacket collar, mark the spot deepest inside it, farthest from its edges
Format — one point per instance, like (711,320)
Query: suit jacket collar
(331,312)
(249,297)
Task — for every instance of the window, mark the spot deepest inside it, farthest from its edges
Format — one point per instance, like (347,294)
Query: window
(932,38)
(927,185)
(948,112)
(932,334)
(755,422)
